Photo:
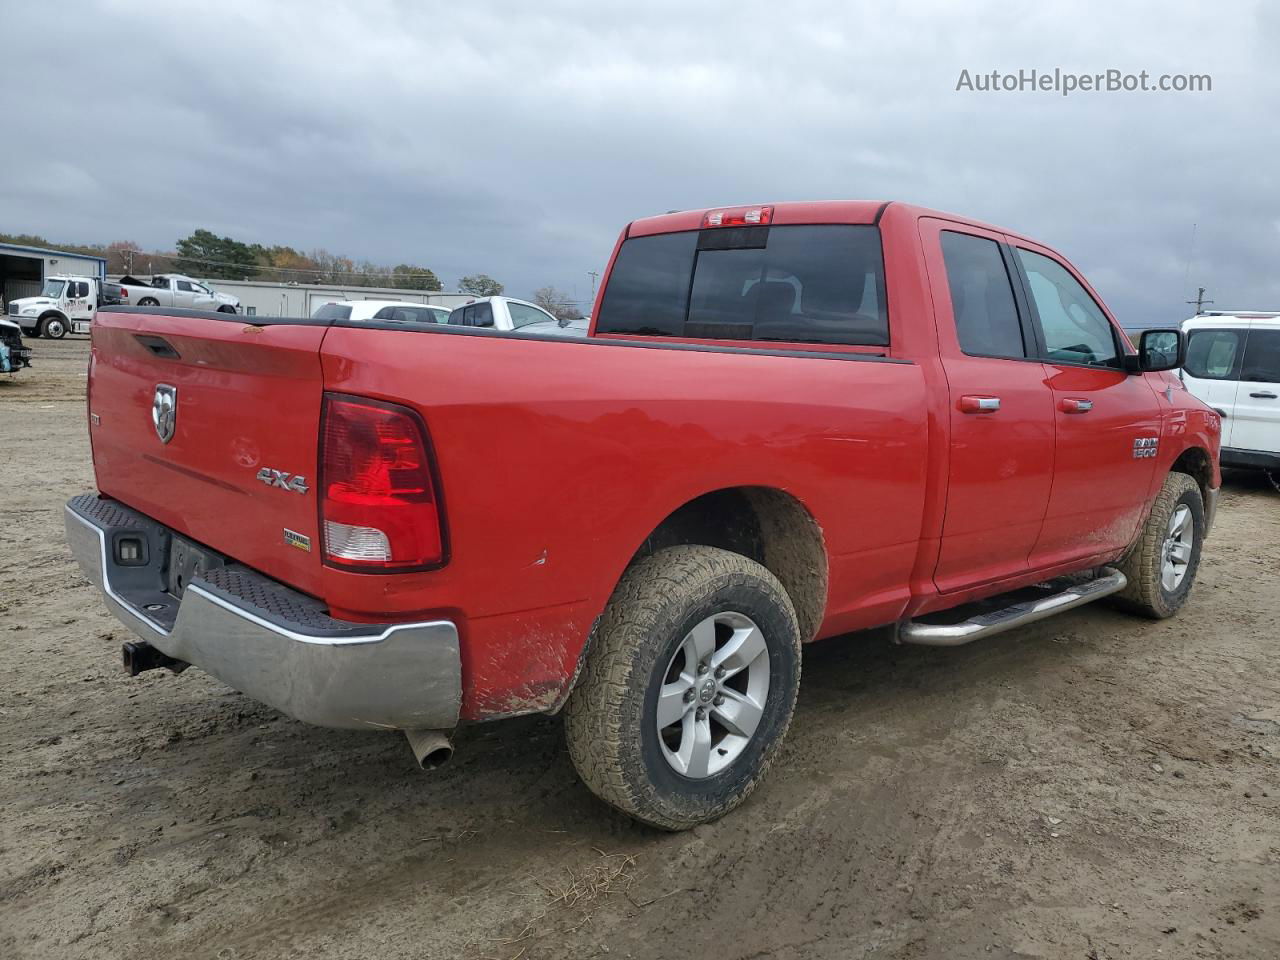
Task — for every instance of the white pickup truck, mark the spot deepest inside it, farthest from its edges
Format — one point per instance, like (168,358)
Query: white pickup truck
(175,290)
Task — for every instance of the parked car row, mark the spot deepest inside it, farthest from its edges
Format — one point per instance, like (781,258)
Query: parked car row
(504,314)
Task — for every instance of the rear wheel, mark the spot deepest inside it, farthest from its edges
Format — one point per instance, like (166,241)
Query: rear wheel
(55,328)
(689,688)
(148,302)
(1162,565)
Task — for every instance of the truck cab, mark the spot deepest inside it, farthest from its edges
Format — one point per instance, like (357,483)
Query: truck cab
(65,305)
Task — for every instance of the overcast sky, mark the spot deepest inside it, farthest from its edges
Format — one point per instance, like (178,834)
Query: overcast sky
(517,139)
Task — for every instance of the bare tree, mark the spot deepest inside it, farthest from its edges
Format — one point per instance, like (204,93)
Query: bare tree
(557,303)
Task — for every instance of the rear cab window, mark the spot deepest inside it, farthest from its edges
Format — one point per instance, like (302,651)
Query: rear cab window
(808,284)
(407,314)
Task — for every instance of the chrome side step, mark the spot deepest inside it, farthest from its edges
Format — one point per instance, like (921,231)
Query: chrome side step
(1015,615)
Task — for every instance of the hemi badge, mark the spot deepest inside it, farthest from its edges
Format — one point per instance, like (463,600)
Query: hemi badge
(295,539)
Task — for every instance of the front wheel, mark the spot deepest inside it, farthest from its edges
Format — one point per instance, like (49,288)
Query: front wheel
(1162,565)
(689,688)
(55,328)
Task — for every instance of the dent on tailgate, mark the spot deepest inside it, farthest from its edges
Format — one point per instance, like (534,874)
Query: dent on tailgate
(247,397)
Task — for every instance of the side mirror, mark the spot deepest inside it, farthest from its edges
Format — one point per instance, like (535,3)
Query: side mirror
(1161,350)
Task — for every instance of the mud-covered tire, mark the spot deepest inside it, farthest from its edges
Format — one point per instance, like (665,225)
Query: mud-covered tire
(610,719)
(1146,593)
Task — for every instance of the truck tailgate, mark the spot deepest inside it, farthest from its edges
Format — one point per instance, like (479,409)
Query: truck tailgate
(246,399)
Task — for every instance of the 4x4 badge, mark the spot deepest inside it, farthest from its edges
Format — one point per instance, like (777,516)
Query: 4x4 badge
(285,481)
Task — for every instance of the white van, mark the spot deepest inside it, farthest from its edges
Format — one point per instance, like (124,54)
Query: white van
(1233,365)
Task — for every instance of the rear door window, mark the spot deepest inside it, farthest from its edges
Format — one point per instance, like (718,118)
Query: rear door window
(1261,357)
(798,284)
(986,315)
(1214,354)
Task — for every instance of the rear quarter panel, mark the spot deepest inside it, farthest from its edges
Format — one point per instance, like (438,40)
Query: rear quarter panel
(558,458)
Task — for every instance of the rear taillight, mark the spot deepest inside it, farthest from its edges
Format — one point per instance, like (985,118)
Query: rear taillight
(738,217)
(379,507)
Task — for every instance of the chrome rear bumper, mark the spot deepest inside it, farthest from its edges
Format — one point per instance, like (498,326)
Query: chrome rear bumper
(267,641)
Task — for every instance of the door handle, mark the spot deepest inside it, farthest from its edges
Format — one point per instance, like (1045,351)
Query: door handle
(1075,405)
(1263,395)
(979,404)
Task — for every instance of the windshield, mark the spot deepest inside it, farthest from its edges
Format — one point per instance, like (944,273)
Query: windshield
(53,289)
(333,311)
(523,314)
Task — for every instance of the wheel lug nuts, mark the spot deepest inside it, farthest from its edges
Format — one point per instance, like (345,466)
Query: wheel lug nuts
(719,700)
(702,668)
(719,672)
(688,696)
(702,713)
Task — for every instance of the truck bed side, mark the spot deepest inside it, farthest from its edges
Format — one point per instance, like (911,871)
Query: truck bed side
(557,459)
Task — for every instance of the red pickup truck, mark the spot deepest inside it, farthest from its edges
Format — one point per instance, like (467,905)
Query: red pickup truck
(787,422)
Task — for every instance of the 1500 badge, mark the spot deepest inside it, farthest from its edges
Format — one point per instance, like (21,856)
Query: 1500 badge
(285,481)
(1145,447)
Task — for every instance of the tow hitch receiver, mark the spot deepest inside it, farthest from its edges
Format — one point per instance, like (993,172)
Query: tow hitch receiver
(140,656)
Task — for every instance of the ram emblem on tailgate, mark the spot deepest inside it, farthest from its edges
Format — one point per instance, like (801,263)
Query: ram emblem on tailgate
(164,411)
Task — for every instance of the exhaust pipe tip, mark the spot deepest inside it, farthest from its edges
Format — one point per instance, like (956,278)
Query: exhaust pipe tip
(431,748)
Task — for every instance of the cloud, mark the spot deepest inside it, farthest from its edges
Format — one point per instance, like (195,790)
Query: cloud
(517,140)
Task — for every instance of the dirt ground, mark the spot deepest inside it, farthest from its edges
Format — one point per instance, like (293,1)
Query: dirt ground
(1094,786)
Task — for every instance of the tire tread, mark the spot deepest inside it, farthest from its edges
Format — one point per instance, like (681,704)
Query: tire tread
(669,580)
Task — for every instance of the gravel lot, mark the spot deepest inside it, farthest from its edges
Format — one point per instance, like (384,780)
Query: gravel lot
(1094,786)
